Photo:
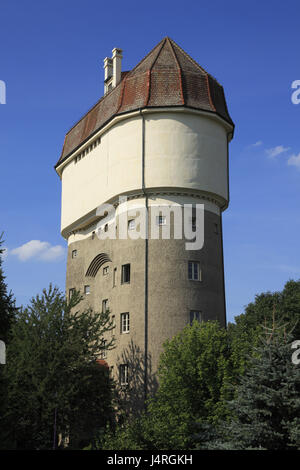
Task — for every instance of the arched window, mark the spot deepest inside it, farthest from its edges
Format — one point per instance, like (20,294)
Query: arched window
(96,264)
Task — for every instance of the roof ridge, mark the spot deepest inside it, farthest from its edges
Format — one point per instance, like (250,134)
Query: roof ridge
(179,68)
(192,60)
(150,69)
(163,41)
(147,55)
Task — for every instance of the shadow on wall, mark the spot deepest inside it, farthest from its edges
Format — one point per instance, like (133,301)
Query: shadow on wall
(132,395)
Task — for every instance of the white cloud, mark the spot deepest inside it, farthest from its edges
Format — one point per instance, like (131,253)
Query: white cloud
(257,144)
(294,160)
(273,152)
(36,249)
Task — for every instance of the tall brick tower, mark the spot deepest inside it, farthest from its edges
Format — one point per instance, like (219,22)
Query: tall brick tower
(158,138)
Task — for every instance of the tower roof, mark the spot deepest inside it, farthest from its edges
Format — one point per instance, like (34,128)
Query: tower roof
(166,77)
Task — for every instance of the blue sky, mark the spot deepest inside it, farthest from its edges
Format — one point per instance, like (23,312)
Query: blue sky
(51,61)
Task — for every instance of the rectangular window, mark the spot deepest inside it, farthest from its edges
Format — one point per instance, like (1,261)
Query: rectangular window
(105,270)
(93,235)
(124,322)
(104,305)
(71,292)
(161,220)
(123,373)
(115,277)
(113,321)
(103,352)
(125,278)
(194,272)
(195,315)
(131,224)
(87,290)
(74,253)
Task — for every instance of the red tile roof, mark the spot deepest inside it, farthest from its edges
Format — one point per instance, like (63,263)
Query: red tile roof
(166,77)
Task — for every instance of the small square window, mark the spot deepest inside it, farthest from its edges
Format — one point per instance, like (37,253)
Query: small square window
(113,321)
(194,272)
(104,305)
(125,278)
(87,290)
(115,277)
(71,292)
(124,322)
(195,315)
(105,270)
(161,220)
(74,253)
(123,374)
(131,224)
(103,352)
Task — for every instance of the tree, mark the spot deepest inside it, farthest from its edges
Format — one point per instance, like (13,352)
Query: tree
(55,385)
(200,373)
(7,317)
(267,407)
(194,371)
(7,302)
(245,334)
(257,313)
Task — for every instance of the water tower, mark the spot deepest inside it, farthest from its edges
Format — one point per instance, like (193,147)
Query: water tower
(157,138)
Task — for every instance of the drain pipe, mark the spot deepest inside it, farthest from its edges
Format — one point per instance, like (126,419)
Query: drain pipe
(146,264)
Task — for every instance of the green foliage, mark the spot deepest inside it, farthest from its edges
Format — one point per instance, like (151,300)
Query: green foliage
(245,334)
(7,302)
(130,435)
(194,372)
(52,373)
(7,317)
(285,304)
(267,407)
(221,388)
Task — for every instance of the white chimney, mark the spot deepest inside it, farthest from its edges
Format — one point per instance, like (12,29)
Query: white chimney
(117,61)
(108,72)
